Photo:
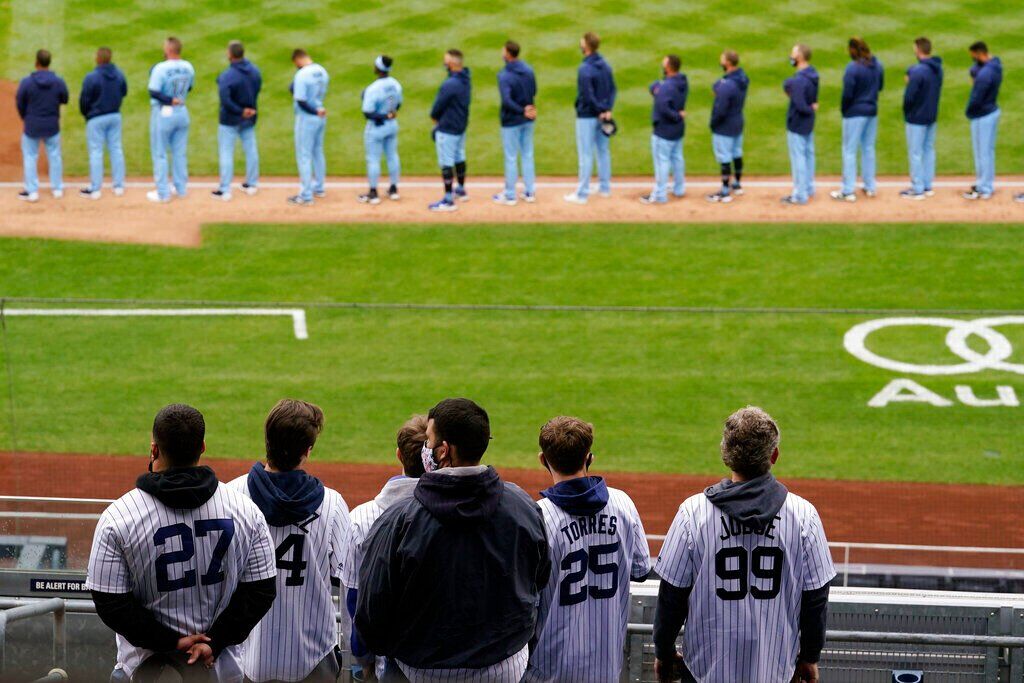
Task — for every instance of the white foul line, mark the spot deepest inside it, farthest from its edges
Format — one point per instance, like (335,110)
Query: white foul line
(297,315)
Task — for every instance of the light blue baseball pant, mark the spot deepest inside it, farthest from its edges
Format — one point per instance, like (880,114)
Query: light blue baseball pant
(104,132)
(169,133)
(859,133)
(517,144)
(309,153)
(30,162)
(801,159)
(921,151)
(983,141)
(226,137)
(591,142)
(382,141)
(668,160)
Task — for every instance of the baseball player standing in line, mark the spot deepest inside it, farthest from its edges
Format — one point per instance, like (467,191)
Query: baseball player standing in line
(309,88)
(863,79)
(921,112)
(39,98)
(450,115)
(239,87)
(983,113)
(309,524)
(747,567)
(451,577)
(170,82)
(668,119)
(518,89)
(381,101)
(597,546)
(398,488)
(802,90)
(727,125)
(595,99)
(103,90)
(182,567)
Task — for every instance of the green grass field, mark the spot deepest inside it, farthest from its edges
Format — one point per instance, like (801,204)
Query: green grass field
(657,385)
(346,36)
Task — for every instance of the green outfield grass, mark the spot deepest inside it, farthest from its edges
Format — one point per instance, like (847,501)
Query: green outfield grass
(346,36)
(656,384)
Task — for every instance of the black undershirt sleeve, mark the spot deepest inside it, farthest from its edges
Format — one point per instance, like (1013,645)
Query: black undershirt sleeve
(125,615)
(247,606)
(669,617)
(813,616)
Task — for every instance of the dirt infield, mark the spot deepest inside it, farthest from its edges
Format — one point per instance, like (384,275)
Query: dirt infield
(133,219)
(852,511)
(10,132)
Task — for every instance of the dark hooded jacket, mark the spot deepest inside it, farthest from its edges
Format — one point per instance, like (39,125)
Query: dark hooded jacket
(595,87)
(985,92)
(452,577)
(802,88)
(730,96)
(38,99)
(669,99)
(862,81)
(285,498)
(580,497)
(921,96)
(451,107)
(518,87)
(754,502)
(102,91)
(239,87)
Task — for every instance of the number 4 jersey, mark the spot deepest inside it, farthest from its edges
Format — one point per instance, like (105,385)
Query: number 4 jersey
(183,563)
(748,551)
(310,527)
(597,545)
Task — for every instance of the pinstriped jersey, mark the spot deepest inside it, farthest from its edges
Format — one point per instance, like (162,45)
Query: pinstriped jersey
(300,629)
(182,565)
(743,623)
(509,670)
(585,606)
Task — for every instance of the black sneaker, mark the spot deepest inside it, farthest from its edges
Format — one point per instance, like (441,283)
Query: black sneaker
(393,193)
(737,189)
(719,198)
(370,197)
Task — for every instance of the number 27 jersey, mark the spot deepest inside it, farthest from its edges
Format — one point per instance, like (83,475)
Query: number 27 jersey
(743,623)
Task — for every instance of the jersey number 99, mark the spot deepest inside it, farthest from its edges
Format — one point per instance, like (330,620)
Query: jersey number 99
(746,565)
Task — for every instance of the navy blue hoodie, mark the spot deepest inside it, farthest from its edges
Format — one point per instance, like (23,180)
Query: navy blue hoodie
(921,97)
(102,91)
(985,93)
(451,107)
(39,97)
(862,82)
(583,496)
(239,86)
(802,88)
(669,100)
(730,96)
(285,497)
(518,88)
(595,87)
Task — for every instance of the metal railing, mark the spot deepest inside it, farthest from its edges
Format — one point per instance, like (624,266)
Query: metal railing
(37,608)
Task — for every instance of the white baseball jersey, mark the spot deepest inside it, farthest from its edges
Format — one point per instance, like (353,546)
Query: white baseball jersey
(585,606)
(182,565)
(301,627)
(743,622)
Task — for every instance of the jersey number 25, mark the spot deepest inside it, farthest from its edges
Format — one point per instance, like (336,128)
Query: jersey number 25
(588,561)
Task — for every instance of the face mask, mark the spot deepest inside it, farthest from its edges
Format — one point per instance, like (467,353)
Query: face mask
(723,67)
(792,62)
(427,456)
(664,73)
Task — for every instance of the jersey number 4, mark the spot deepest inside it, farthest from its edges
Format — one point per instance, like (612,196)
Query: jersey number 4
(225,528)
(588,562)
(294,543)
(746,565)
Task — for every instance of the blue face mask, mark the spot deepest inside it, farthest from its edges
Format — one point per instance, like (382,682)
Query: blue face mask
(427,456)
(792,62)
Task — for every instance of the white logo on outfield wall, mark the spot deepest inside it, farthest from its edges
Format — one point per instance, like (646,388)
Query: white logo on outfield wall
(999,349)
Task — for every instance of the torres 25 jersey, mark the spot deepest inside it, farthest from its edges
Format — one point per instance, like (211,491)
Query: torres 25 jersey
(310,527)
(748,573)
(597,546)
(181,563)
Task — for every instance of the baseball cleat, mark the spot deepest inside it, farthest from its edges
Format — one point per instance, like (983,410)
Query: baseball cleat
(929,192)
(649,199)
(443,205)
(369,198)
(89,193)
(28,196)
(298,200)
(790,200)
(393,193)
(503,199)
(320,194)
(528,197)
(249,189)
(870,194)
(58,194)
(174,191)
(737,189)
(974,195)
(605,193)
(118,191)
(574,198)
(155,197)
(910,194)
(460,194)
(719,198)
(1019,198)
(841,196)
(221,196)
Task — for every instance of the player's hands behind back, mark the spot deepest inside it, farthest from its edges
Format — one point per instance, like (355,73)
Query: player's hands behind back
(672,670)
(805,673)
(195,646)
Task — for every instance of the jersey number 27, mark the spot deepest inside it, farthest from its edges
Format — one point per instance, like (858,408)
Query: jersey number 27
(225,528)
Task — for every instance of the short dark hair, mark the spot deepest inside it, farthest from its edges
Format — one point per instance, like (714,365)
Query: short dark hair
(979,46)
(512,47)
(43,58)
(104,55)
(859,50)
(290,431)
(178,431)
(565,443)
(299,52)
(455,52)
(732,57)
(463,424)
(749,440)
(410,440)
(236,49)
(591,40)
(674,62)
(924,45)
(174,44)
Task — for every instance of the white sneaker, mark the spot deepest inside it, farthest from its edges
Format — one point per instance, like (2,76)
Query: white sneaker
(154,196)
(58,194)
(250,190)
(30,197)
(574,198)
(502,198)
(605,193)
(528,197)
(221,196)
(89,193)
(118,191)
(174,191)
